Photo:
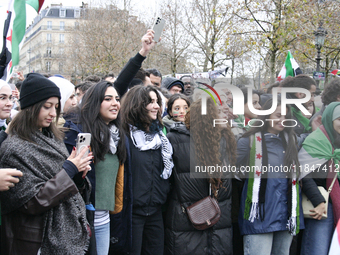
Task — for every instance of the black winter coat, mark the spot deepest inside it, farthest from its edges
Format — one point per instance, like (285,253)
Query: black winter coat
(180,236)
(150,191)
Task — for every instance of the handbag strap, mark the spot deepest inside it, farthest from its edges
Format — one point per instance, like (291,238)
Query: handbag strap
(179,195)
(334,179)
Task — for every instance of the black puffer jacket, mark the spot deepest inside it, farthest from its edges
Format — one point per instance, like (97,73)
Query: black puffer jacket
(180,236)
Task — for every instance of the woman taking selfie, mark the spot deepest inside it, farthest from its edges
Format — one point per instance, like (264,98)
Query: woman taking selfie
(43,213)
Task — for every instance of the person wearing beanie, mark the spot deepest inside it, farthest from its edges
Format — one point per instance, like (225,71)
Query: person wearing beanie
(45,196)
(173,85)
(68,99)
(66,88)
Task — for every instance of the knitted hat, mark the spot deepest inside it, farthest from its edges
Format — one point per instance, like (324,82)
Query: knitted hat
(36,88)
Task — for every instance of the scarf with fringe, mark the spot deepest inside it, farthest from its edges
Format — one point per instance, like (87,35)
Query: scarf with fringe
(152,141)
(257,183)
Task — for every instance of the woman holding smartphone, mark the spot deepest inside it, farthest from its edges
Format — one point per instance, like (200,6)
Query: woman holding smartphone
(98,114)
(44,212)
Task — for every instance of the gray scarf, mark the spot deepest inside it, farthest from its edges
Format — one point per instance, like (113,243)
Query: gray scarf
(65,230)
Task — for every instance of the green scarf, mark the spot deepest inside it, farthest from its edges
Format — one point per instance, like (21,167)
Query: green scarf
(304,121)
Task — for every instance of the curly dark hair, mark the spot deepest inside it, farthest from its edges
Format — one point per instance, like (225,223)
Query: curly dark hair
(133,108)
(331,92)
(205,136)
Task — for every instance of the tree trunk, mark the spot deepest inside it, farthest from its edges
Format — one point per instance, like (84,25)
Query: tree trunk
(232,70)
(272,66)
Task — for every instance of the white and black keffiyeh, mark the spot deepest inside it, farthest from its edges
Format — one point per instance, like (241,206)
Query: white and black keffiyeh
(114,139)
(152,141)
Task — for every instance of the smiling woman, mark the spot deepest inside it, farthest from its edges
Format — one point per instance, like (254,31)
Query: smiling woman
(151,164)
(98,115)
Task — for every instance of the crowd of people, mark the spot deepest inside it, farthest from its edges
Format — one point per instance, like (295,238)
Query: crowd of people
(130,191)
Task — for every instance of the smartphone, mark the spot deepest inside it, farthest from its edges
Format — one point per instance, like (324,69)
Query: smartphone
(158,28)
(83,140)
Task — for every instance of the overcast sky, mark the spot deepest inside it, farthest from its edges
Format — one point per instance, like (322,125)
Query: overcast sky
(146,9)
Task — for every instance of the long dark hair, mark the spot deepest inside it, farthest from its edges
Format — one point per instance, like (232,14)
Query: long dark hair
(25,123)
(205,137)
(291,145)
(134,110)
(93,123)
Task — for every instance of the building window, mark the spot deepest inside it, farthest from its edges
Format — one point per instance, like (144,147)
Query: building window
(61,51)
(61,38)
(49,52)
(62,13)
(60,67)
(62,25)
(49,37)
(48,66)
(76,13)
(49,25)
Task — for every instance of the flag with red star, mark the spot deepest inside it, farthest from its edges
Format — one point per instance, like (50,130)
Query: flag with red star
(290,68)
(252,202)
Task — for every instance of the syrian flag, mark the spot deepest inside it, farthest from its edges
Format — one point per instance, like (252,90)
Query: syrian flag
(290,68)
(335,244)
(14,32)
(316,150)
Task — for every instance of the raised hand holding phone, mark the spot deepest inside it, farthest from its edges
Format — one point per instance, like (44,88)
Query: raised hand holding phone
(147,43)
(158,28)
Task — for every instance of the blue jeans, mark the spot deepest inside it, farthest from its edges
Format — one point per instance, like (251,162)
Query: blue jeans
(102,233)
(276,243)
(317,235)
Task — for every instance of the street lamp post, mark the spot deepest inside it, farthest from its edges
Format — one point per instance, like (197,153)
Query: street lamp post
(320,35)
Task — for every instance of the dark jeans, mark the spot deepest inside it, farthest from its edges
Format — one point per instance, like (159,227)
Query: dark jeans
(317,235)
(147,234)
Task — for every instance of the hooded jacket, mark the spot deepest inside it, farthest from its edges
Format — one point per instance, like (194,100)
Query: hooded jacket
(169,82)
